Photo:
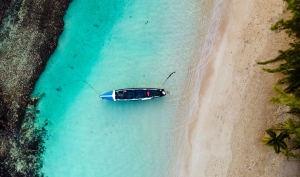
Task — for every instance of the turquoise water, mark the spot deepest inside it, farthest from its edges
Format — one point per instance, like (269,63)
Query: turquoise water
(112,45)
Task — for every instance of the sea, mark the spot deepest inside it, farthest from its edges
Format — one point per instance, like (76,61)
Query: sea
(107,45)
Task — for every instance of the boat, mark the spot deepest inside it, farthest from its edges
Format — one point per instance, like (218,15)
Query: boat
(133,94)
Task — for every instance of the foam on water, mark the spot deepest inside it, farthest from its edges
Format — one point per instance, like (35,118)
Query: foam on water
(112,45)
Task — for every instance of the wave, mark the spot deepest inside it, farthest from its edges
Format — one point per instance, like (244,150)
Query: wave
(208,28)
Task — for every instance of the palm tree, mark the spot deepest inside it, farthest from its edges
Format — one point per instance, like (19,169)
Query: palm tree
(276,141)
(291,26)
(289,129)
(287,99)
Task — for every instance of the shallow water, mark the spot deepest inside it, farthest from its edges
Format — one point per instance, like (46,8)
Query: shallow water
(110,45)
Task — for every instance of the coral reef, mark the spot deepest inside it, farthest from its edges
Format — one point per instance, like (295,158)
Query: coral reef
(29,32)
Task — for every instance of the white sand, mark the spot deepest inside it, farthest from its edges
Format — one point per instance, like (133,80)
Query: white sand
(234,108)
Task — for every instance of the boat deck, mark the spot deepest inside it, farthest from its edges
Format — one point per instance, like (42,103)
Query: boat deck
(128,94)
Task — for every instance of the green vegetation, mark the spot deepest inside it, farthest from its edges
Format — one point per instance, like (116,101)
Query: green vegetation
(288,140)
(276,141)
(285,137)
(291,26)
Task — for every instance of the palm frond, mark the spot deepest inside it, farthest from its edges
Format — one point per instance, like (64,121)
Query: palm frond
(282,144)
(271,133)
(277,149)
(281,136)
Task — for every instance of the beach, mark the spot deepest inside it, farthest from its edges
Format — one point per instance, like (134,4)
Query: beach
(234,111)
(211,125)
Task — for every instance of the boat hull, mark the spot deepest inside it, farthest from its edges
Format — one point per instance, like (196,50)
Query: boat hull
(133,94)
(108,96)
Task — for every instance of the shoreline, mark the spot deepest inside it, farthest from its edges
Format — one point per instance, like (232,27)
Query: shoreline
(234,108)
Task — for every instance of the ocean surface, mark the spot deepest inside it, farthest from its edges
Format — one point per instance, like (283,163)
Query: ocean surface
(109,45)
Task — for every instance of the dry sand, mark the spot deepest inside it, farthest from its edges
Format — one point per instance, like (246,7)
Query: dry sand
(234,108)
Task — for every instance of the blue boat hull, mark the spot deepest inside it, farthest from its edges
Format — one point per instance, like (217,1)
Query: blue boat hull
(108,96)
(133,94)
